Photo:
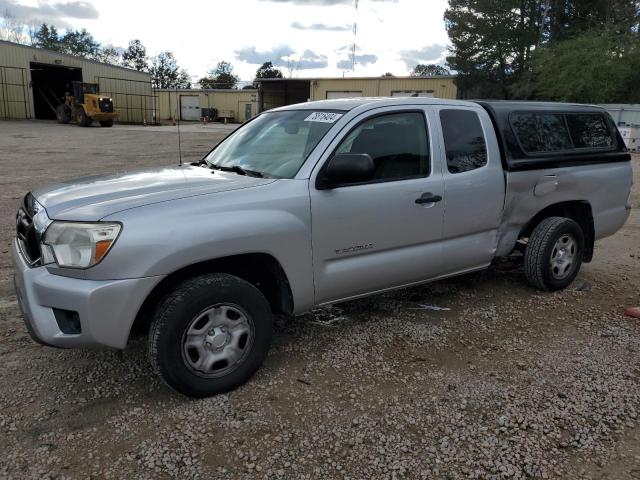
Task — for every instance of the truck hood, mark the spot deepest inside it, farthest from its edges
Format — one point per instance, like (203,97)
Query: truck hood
(93,198)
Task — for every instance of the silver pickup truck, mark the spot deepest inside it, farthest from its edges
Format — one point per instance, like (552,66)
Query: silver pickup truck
(309,205)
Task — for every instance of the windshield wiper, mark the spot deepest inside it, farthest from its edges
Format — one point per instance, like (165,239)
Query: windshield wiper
(239,170)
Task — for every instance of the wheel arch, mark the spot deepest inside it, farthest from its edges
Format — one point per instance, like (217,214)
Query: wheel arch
(579,211)
(262,270)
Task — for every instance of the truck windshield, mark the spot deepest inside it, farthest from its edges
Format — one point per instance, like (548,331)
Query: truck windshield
(274,144)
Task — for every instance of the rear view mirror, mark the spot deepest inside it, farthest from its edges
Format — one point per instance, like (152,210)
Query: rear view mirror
(345,168)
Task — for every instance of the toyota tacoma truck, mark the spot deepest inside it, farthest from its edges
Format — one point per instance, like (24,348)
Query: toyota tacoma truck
(309,205)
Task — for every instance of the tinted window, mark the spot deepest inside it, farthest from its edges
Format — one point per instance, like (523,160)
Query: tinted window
(397,144)
(541,132)
(589,131)
(463,140)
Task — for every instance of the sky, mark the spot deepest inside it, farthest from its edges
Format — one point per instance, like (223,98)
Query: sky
(304,38)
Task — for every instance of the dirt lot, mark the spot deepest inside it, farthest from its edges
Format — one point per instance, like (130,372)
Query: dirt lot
(507,383)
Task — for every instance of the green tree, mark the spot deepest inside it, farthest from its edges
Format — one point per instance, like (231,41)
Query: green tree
(608,64)
(569,18)
(491,42)
(135,56)
(47,37)
(12,28)
(165,72)
(220,77)
(267,70)
(80,43)
(109,54)
(431,70)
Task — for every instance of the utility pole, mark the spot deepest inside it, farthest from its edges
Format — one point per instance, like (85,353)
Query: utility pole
(545,14)
(355,33)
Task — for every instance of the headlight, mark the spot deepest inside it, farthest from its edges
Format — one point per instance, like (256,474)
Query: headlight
(78,245)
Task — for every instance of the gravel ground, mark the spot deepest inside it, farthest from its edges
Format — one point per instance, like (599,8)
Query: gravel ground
(508,383)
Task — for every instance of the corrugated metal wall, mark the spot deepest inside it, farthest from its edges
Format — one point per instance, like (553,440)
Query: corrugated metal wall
(441,87)
(130,90)
(234,101)
(624,114)
(14,95)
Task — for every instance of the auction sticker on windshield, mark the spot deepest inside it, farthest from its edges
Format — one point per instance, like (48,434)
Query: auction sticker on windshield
(323,117)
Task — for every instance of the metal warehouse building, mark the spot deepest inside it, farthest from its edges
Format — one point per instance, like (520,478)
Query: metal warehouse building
(189,104)
(279,92)
(33,79)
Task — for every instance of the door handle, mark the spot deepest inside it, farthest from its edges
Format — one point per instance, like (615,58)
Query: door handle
(428,198)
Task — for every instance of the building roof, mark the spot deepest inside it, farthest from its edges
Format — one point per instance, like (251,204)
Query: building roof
(208,90)
(346,104)
(66,55)
(435,77)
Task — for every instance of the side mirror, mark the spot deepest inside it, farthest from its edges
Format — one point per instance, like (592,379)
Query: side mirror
(344,168)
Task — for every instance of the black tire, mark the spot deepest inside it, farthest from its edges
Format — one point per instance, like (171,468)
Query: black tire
(106,123)
(178,314)
(82,119)
(539,266)
(63,113)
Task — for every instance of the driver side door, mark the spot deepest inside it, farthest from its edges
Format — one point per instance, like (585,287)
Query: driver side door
(383,233)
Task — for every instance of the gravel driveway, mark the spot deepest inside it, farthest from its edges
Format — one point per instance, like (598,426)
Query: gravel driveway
(505,382)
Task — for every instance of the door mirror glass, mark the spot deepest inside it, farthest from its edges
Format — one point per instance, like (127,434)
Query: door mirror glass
(348,168)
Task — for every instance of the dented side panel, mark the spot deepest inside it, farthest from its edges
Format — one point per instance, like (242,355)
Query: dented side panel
(605,187)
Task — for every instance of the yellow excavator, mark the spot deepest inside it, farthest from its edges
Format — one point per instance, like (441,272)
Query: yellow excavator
(84,105)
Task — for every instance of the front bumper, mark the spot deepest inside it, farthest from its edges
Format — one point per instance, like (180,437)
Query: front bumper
(106,308)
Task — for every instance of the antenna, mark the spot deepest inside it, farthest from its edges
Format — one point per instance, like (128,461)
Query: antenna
(178,123)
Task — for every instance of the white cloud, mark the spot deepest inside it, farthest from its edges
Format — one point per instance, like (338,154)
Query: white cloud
(363,60)
(249,32)
(430,54)
(52,12)
(322,27)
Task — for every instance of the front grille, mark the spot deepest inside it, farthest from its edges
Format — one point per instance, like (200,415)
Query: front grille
(26,232)
(106,105)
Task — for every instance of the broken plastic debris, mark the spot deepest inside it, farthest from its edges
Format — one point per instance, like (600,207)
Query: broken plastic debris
(633,312)
(584,287)
(426,306)
(330,322)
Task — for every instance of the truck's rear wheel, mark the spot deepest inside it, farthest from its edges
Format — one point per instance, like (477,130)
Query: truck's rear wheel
(106,123)
(210,334)
(553,255)
(82,119)
(63,114)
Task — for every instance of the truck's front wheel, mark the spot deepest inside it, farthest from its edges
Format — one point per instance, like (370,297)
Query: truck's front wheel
(554,252)
(210,334)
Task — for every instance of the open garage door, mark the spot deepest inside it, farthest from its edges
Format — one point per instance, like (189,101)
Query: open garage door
(49,84)
(274,93)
